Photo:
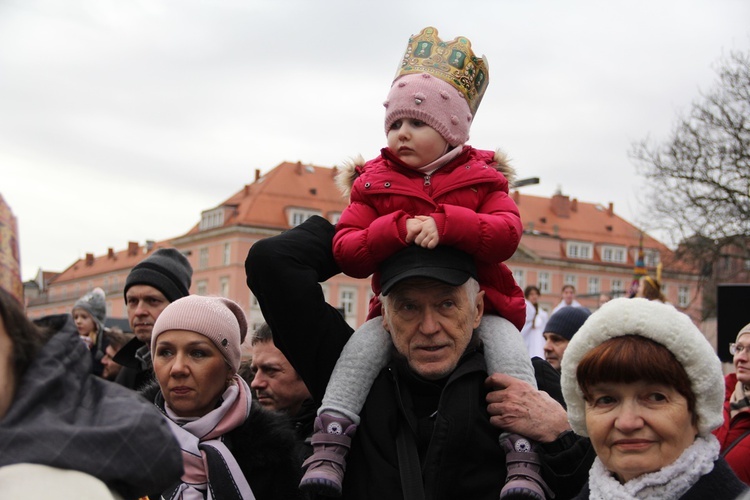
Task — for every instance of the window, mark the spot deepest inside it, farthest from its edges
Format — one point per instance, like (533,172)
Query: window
(347,301)
(227,254)
(211,218)
(617,288)
(650,257)
(614,254)
(224,286)
(335,218)
(297,216)
(579,250)
(570,279)
(201,287)
(593,284)
(203,258)
(544,284)
(520,277)
(683,296)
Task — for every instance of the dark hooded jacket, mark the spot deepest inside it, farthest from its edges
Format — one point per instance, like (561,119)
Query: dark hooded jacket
(63,416)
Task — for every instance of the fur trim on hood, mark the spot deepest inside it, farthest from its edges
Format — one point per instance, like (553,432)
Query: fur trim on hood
(350,169)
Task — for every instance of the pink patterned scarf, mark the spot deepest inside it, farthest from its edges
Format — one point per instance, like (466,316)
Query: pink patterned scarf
(201,440)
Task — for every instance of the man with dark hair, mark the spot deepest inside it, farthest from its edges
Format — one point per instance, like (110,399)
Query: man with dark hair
(116,339)
(431,422)
(277,385)
(154,283)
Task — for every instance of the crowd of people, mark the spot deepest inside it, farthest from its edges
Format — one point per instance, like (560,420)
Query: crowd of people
(459,385)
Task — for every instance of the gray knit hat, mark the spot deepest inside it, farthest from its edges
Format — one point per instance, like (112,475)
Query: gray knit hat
(661,323)
(566,321)
(166,269)
(94,304)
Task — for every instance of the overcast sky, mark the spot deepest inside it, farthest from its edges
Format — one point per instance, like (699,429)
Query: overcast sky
(122,120)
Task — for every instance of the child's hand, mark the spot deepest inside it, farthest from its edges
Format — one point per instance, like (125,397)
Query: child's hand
(413,228)
(428,235)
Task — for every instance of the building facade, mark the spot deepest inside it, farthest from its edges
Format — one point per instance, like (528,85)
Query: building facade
(564,241)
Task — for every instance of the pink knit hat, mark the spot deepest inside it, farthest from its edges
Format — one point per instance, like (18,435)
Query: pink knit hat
(430,99)
(220,320)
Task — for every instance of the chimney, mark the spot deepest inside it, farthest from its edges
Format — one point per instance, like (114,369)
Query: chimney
(257,175)
(110,253)
(150,245)
(516,196)
(246,190)
(560,205)
(299,168)
(132,248)
(574,205)
(89,259)
(611,209)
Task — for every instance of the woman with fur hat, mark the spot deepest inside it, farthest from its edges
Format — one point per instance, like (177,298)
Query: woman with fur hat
(640,381)
(89,313)
(427,188)
(231,447)
(734,433)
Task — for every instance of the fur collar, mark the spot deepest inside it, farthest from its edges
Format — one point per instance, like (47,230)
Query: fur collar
(350,169)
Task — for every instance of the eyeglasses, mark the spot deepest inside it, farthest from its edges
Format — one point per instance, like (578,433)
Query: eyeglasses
(738,348)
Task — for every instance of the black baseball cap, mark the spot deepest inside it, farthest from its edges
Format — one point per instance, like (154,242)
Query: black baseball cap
(442,263)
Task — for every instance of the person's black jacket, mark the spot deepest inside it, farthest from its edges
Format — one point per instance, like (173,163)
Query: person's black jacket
(459,450)
(132,374)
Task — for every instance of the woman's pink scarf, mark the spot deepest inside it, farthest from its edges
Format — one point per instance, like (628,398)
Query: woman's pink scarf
(208,431)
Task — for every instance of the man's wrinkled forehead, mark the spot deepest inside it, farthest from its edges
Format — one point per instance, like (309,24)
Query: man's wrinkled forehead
(416,285)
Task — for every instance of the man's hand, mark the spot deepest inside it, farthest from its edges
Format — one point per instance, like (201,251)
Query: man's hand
(517,407)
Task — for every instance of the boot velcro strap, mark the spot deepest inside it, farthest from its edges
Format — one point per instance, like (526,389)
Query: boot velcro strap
(331,439)
(521,465)
(325,456)
(531,459)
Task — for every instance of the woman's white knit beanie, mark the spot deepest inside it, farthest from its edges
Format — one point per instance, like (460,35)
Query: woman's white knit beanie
(661,323)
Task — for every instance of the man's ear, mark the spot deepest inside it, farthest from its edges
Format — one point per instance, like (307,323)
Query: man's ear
(385,321)
(480,308)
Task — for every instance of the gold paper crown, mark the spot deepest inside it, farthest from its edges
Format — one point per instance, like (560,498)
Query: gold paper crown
(453,62)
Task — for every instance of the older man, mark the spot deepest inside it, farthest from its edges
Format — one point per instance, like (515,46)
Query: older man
(154,283)
(426,428)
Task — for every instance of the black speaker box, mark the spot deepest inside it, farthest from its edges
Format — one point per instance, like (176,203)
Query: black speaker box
(732,313)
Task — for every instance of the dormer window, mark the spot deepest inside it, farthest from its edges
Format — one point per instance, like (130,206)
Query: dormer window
(614,254)
(299,215)
(579,250)
(212,218)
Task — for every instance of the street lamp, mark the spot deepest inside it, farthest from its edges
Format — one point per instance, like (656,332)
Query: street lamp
(525,182)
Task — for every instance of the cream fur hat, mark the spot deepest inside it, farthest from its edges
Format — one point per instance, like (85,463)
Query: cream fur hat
(661,323)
